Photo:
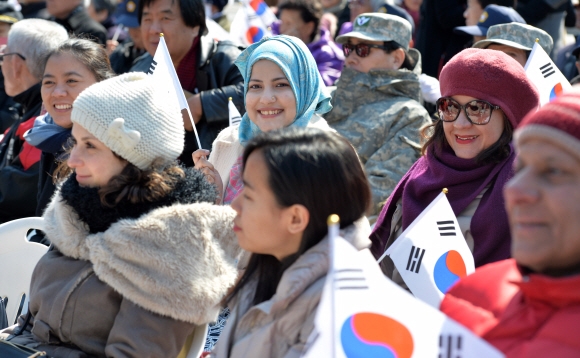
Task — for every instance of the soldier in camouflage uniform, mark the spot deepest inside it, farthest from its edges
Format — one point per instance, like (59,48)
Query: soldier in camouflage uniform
(516,40)
(376,103)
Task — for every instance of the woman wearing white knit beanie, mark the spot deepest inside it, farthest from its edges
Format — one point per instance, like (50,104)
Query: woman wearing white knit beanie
(141,255)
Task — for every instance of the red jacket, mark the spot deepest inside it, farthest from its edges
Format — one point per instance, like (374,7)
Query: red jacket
(523,316)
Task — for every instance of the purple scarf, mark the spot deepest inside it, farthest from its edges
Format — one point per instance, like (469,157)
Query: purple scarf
(465,180)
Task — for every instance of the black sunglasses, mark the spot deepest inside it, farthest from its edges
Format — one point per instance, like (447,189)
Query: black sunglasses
(11,53)
(477,111)
(362,50)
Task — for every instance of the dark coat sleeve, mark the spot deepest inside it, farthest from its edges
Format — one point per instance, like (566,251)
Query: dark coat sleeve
(224,81)
(18,178)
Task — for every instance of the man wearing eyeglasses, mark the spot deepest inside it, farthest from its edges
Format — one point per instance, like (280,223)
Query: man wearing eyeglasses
(29,41)
(376,103)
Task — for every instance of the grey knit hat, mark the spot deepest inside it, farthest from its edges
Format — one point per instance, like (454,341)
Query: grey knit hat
(133,118)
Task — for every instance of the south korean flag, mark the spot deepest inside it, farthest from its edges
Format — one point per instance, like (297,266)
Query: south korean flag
(431,254)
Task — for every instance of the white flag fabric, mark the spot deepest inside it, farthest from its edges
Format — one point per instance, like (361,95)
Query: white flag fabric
(545,75)
(364,314)
(164,75)
(252,22)
(431,254)
(235,116)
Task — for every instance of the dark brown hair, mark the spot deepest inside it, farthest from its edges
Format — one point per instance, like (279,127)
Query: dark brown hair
(408,62)
(92,55)
(310,11)
(132,184)
(434,135)
(300,162)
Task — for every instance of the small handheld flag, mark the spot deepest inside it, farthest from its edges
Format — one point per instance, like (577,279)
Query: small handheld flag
(252,22)
(431,254)
(235,116)
(363,314)
(163,73)
(545,75)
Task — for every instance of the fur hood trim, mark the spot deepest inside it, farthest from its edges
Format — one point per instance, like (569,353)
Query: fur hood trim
(177,261)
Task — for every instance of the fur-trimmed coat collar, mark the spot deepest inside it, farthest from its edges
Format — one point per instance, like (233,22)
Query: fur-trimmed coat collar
(177,261)
(86,202)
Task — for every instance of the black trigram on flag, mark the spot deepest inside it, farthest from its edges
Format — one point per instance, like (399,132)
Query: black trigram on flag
(446,228)
(350,279)
(450,346)
(415,258)
(152,67)
(547,70)
(235,120)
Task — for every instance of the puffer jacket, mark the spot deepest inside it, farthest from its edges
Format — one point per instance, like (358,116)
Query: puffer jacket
(522,314)
(280,327)
(136,289)
(380,114)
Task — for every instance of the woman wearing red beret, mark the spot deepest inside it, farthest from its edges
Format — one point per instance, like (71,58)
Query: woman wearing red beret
(529,306)
(485,94)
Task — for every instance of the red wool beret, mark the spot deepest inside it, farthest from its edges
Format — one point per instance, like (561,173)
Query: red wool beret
(492,76)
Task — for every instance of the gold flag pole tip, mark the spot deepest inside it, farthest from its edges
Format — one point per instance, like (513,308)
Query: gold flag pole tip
(229,98)
(445,191)
(537,40)
(161,34)
(333,219)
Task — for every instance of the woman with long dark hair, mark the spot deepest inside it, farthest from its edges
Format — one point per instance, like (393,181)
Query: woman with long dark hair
(294,179)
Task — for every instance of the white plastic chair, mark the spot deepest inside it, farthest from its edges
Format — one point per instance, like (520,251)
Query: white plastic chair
(199,335)
(18,257)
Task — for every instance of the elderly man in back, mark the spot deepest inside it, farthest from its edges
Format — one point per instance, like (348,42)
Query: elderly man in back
(205,67)
(29,41)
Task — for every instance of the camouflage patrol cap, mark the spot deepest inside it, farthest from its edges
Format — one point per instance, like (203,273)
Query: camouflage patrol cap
(379,27)
(516,35)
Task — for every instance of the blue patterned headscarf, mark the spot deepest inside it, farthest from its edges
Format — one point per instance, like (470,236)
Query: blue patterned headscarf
(299,67)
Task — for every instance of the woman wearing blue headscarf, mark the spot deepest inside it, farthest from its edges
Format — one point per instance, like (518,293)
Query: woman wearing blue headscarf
(282,88)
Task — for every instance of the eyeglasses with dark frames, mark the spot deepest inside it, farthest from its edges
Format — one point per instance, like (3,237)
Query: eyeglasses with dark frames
(362,50)
(11,53)
(477,111)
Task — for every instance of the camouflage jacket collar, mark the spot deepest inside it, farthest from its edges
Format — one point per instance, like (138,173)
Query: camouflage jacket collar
(397,83)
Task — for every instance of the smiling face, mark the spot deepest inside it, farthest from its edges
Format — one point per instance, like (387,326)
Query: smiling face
(543,206)
(64,79)
(270,101)
(93,162)
(262,226)
(468,140)
(164,16)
